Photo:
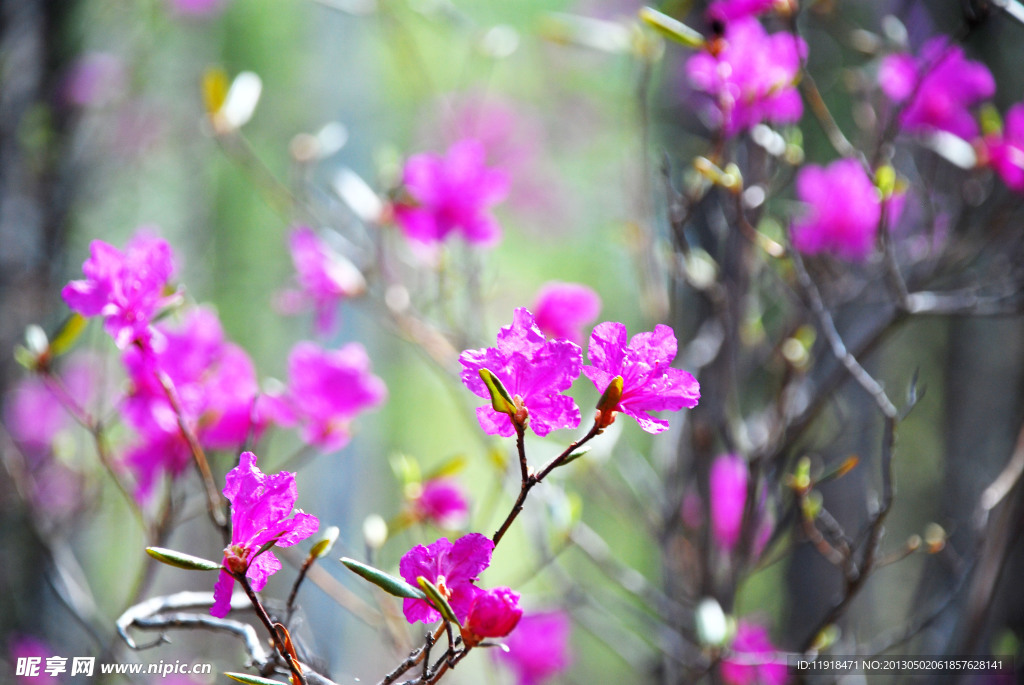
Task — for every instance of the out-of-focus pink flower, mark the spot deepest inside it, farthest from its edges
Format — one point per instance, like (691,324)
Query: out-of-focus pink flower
(753,660)
(729,10)
(261,512)
(217,391)
(943,85)
(126,288)
(538,648)
(94,79)
(1005,150)
(449,194)
(326,390)
(440,501)
(843,210)
(494,613)
(649,383)
(533,369)
(750,76)
(30,654)
(197,8)
(561,310)
(324,276)
(452,567)
(728,492)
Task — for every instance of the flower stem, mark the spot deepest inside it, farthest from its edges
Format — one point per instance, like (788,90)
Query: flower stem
(293,665)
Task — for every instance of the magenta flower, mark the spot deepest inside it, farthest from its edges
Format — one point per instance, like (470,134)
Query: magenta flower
(261,512)
(728,491)
(440,501)
(326,390)
(30,654)
(563,309)
(944,86)
(538,648)
(451,193)
(749,76)
(1005,151)
(126,288)
(842,223)
(325,277)
(494,613)
(753,659)
(729,10)
(452,567)
(217,391)
(649,383)
(533,369)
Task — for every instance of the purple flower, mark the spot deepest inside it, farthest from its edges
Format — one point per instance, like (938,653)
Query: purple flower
(729,10)
(440,501)
(452,567)
(126,288)
(749,76)
(451,193)
(324,276)
(648,382)
(538,648)
(728,490)
(1005,151)
(494,613)
(326,390)
(563,309)
(944,85)
(33,654)
(753,659)
(533,369)
(217,391)
(842,223)
(261,512)
(93,80)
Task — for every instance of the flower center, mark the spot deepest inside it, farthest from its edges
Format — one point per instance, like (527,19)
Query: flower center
(236,559)
(442,586)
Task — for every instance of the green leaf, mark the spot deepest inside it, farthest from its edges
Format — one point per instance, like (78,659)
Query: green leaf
(448,467)
(501,401)
(573,456)
(387,583)
(323,546)
(182,560)
(252,679)
(435,597)
(671,28)
(68,333)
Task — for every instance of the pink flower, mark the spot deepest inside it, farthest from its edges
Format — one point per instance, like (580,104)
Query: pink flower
(326,390)
(750,76)
(753,659)
(563,309)
(126,288)
(533,369)
(325,277)
(649,383)
(1005,151)
(451,193)
(217,390)
(260,509)
(30,655)
(452,567)
(944,86)
(538,648)
(728,10)
(440,501)
(843,223)
(494,613)
(728,490)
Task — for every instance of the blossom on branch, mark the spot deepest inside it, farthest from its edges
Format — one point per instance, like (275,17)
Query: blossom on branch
(440,501)
(325,278)
(127,288)
(494,613)
(562,309)
(534,370)
(750,76)
(450,193)
(538,648)
(261,516)
(649,383)
(1005,150)
(937,89)
(452,568)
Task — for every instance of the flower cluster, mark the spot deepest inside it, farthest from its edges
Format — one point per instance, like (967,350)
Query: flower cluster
(261,517)
(535,372)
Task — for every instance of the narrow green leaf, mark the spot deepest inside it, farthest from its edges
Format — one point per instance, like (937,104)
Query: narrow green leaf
(68,333)
(182,560)
(573,456)
(24,357)
(501,401)
(438,601)
(671,28)
(449,467)
(252,679)
(387,583)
